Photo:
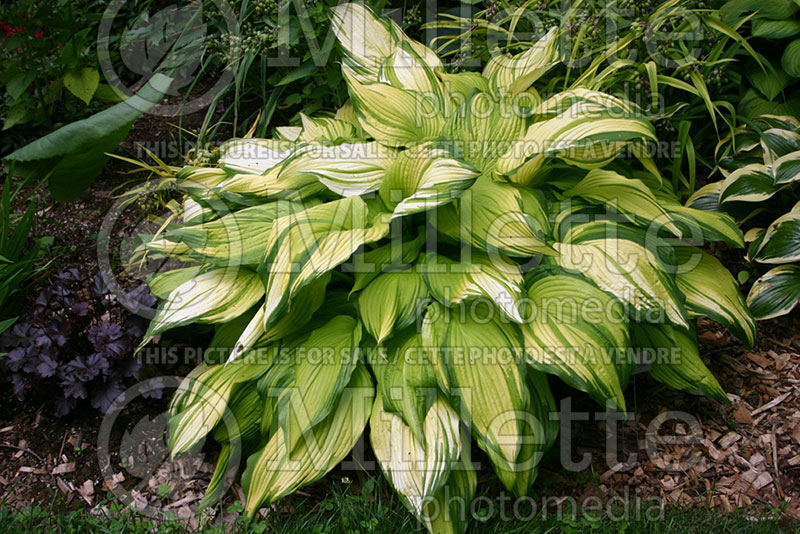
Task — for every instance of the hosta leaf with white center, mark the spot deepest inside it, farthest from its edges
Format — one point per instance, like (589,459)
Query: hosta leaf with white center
(495,216)
(303,246)
(539,426)
(627,195)
(781,241)
(454,282)
(162,284)
(393,116)
(366,40)
(253,156)
(446,513)
(280,468)
(346,169)
(712,292)
(466,354)
(392,301)
(407,381)
(484,129)
(677,360)
(215,296)
(416,470)
(395,256)
(573,133)
(706,225)
(207,402)
(510,75)
(326,129)
(630,272)
(405,69)
(423,177)
(568,339)
(254,189)
(322,368)
(237,238)
(776,293)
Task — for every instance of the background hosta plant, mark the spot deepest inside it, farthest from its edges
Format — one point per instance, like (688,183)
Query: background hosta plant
(762,169)
(420,261)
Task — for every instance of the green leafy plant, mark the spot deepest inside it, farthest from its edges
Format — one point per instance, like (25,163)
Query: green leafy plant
(420,261)
(761,166)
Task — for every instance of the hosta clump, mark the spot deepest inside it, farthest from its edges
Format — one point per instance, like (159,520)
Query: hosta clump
(420,261)
(762,171)
(75,344)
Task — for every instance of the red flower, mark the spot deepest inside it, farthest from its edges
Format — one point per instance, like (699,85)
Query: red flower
(24,15)
(38,35)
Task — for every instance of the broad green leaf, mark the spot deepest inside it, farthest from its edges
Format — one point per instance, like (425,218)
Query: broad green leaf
(711,291)
(680,365)
(627,195)
(212,297)
(395,256)
(72,156)
(631,273)
(423,177)
(478,363)
(279,468)
(578,333)
(790,60)
(479,276)
(82,83)
(391,302)
(416,470)
(776,293)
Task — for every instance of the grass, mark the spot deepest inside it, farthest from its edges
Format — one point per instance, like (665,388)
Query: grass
(370,509)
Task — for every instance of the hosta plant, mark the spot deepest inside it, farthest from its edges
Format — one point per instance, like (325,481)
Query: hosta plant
(761,166)
(419,262)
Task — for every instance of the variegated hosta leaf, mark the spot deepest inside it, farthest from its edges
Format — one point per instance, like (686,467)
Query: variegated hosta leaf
(416,470)
(406,69)
(562,101)
(712,292)
(391,302)
(752,183)
(778,142)
(304,246)
(786,169)
(706,198)
(484,129)
(199,179)
(347,169)
(677,361)
(254,189)
(207,400)
(280,468)
(479,364)
(395,256)
(781,241)
(704,226)
(494,216)
(393,116)
(514,74)
(322,368)
(162,284)
(327,130)
(215,296)
(407,381)
(368,41)
(627,195)
(566,338)
(776,293)
(446,513)
(453,282)
(166,247)
(253,156)
(631,273)
(461,84)
(573,134)
(238,238)
(301,309)
(423,177)
(540,430)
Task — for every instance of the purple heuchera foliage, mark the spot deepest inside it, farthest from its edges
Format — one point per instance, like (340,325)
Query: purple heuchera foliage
(76,338)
